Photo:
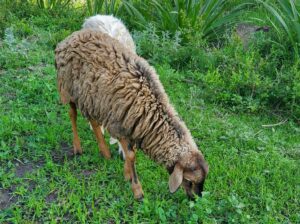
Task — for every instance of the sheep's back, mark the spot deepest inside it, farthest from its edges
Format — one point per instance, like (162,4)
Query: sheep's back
(78,60)
(100,77)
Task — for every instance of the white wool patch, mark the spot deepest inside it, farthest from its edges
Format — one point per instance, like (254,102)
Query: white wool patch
(112,141)
(112,26)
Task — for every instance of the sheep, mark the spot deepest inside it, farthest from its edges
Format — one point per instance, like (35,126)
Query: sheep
(113,87)
(115,28)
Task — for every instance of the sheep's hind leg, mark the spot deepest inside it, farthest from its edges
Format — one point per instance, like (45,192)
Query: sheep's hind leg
(130,171)
(76,142)
(103,148)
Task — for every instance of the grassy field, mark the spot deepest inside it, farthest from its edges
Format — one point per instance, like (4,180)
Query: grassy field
(254,170)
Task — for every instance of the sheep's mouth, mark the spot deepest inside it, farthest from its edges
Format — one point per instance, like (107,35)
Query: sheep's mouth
(200,188)
(193,189)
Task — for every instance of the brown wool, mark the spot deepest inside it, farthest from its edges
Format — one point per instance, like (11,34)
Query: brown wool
(121,91)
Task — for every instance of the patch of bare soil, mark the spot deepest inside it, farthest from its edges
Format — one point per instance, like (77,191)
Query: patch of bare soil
(87,173)
(31,185)
(65,152)
(23,168)
(51,197)
(6,198)
(6,195)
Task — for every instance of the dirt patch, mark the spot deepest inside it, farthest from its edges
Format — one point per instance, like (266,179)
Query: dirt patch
(51,197)
(87,173)
(31,185)
(6,199)
(66,151)
(22,169)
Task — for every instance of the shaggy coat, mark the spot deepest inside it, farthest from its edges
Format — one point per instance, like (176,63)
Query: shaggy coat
(122,92)
(116,29)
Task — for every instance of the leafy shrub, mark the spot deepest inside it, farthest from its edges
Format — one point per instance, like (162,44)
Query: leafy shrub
(56,37)
(11,11)
(12,49)
(154,47)
(264,76)
(254,79)
(170,49)
(24,16)
(284,17)
(22,28)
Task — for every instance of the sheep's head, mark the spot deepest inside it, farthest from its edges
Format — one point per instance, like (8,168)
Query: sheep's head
(190,171)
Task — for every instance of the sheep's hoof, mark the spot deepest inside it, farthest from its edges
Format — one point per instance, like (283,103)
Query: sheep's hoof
(139,197)
(105,155)
(138,192)
(77,151)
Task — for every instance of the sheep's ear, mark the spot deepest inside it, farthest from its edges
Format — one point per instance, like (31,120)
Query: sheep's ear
(175,179)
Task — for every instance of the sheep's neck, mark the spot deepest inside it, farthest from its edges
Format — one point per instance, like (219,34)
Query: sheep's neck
(163,145)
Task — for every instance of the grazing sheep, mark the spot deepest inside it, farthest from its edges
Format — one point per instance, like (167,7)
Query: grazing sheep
(116,29)
(113,87)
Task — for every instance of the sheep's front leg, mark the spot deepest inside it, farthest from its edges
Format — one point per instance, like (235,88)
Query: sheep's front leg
(76,142)
(103,148)
(130,171)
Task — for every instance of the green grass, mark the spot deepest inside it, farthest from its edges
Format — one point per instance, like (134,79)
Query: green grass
(254,171)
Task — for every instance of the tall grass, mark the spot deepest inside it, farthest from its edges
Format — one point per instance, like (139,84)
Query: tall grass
(103,6)
(50,4)
(284,15)
(210,18)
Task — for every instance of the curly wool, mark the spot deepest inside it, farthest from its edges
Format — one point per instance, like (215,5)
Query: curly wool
(116,29)
(122,92)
